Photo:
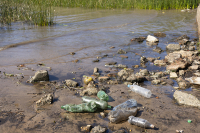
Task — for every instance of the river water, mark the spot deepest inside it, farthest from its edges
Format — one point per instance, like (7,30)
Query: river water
(91,33)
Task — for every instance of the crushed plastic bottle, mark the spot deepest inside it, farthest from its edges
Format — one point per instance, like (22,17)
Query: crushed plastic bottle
(140,122)
(100,103)
(131,103)
(87,79)
(140,90)
(102,96)
(123,111)
(84,107)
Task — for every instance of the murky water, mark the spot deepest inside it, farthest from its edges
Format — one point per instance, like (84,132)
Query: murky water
(91,33)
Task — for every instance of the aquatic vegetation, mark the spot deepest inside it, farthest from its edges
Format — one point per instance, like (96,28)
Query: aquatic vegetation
(40,12)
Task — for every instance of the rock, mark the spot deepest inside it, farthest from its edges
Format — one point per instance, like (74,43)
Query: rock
(194,80)
(152,39)
(90,90)
(158,49)
(144,72)
(98,129)
(102,114)
(181,72)
(159,63)
(143,59)
(120,51)
(194,67)
(138,39)
(171,57)
(159,74)
(183,84)
(173,47)
(159,34)
(186,99)
(173,75)
(191,48)
(72,53)
(97,60)
(122,73)
(123,56)
(86,128)
(96,70)
(71,83)
(184,41)
(135,66)
(41,75)
(120,131)
(155,82)
(151,59)
(111,63)
(103,78)
(113,82)
(183,37)
(179,64)
(132,78)
(46,99)
(112,47)
(122,66)
(185,54)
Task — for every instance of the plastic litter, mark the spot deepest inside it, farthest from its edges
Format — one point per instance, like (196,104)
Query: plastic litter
(123,111)
(87,79)
(140,122)
(140,90)
(102,96)
(189,121)
(100,103)
(84,107)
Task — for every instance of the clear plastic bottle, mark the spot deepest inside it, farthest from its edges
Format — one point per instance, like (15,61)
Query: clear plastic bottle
(84,107)
(140,90)
(139,122)
(131,103)
(102,96)
(100,103)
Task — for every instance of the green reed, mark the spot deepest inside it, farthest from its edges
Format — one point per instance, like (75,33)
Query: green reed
(40,12)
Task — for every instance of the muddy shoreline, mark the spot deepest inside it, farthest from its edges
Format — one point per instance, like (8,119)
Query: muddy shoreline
(19,112)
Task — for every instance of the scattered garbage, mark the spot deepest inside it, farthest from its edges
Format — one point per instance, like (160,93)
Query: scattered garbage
(87,79)
(140,122)
(100,103)
(102,96)
(140,90)
(189,121)
(84,107)
(123,111)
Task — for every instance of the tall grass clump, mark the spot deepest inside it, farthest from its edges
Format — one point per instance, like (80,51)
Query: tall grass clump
(38,12)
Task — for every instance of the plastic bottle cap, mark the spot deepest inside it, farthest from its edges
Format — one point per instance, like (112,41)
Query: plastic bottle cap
(128,85)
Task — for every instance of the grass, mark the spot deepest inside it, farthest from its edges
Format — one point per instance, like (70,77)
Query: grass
(40,12)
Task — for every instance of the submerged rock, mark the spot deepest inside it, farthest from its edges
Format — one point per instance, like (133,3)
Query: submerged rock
(173,47)
(159,34)
(143,59)
(159,63)
(46,99)
(158,50)
(186,99)
(41,75)
(120,51)
(138,39)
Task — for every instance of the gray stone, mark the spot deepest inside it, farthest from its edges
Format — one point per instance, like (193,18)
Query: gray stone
(46,99)
(122,66)
(151,59)
(183,84)
(98,129)
(177,65)
(194,80)
(186,99)
(122,73)
(158,49)
(144,72)
(143,59)
(194,67)
(96,70)
(173,75)
(120,51)
(181,72)
(41,75)
(110,63)
(171,57)
(90,90)
(71,83)
(173,47)
(191,48)
(185,54)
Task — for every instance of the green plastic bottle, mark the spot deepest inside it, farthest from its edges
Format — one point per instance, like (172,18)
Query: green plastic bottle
(102,96)
(84,107)
(100,103)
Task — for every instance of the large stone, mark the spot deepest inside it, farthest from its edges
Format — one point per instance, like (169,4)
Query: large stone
(122,73)
(177,65)
(151,39)
(144,72)
(46,99)
(41,75)
(186,99)
(185,53)
(173,47)
(171,57)
(194,67)
(173,75)
(71,83)
(194,80)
